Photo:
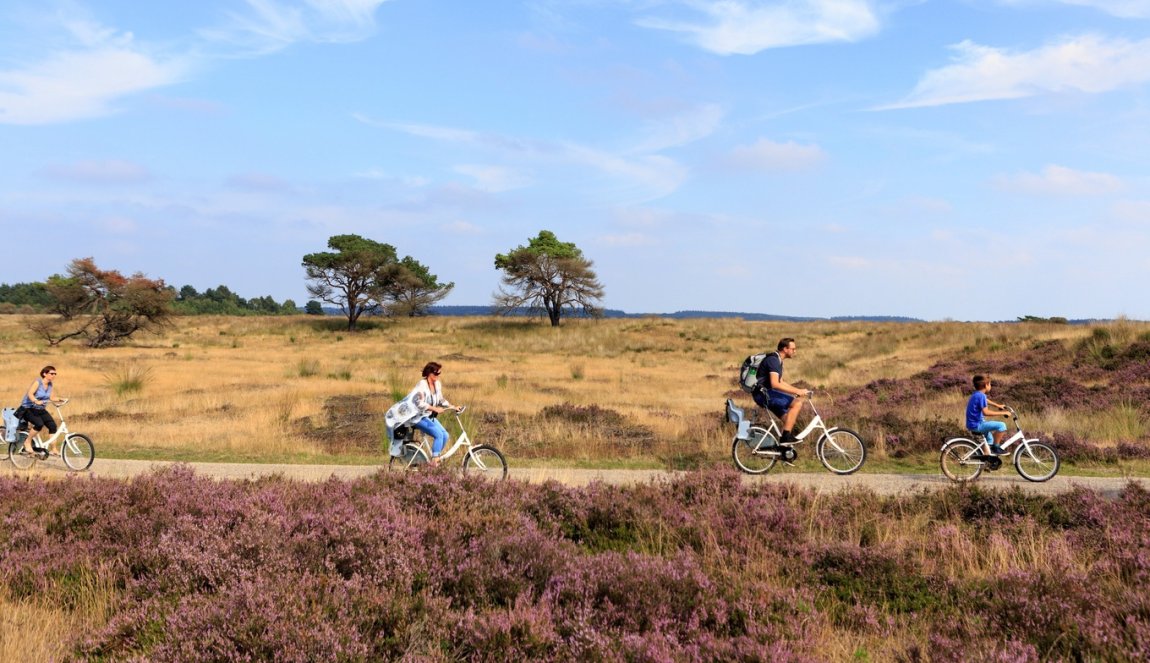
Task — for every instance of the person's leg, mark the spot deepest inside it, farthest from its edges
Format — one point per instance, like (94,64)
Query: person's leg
(50,424)
(35,425)
(787,408)
(992,431)
(438,434)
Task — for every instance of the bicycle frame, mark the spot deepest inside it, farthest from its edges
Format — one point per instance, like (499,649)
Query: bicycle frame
(982,445)
(460,441)
(424,446)
(815,424)
(60,435)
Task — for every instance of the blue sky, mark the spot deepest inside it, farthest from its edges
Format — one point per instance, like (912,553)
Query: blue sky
(977,160)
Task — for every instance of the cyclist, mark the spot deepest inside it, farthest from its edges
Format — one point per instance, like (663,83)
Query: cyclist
(419,409)
(774,394)
(978,408)
(32,411)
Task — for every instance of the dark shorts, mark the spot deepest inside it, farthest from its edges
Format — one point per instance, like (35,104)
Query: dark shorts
(40,419)
(775,401)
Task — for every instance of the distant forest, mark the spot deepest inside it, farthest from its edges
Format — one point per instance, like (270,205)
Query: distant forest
(34,298)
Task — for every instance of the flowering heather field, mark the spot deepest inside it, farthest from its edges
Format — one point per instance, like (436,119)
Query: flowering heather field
(434,567)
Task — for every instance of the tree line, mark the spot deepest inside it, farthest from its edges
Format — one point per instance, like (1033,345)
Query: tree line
(359,276)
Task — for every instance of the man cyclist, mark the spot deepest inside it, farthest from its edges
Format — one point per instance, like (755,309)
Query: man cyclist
(772,393)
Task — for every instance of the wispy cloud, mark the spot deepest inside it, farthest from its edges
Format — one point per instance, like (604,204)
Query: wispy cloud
(1060,181)
(765,154)
(264,26)
(641,176)
(111,171)
(625,240)
(1086,63)
(84,78)
(493,179)
(1120,8)
(746,27)
(681,129)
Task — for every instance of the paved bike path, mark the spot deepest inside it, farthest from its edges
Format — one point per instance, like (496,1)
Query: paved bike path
(884,484)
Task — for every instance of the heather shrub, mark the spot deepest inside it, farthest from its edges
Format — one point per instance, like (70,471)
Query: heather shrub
(433,566)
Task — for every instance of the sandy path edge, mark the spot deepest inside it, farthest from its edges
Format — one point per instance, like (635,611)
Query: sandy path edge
(884,484)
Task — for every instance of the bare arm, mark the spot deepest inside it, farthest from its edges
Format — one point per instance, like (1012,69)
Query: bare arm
(778,385)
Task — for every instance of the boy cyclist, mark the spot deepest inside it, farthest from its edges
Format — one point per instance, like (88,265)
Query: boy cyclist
(978,408)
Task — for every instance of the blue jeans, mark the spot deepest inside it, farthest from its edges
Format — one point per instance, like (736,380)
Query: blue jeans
(988,428)
(436,430)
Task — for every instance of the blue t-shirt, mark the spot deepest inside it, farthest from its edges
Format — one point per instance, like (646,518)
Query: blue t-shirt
(772,363)
(974,408)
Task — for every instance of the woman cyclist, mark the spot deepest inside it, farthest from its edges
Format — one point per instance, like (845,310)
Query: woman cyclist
(33,412)
(419,408)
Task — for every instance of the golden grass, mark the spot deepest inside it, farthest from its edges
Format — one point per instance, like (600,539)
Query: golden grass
(240,386)
(45,628)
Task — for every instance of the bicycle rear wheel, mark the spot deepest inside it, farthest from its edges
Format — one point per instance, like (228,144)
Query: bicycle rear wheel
(413,456)
(747,458)
(959,460)
(841,450)
(1036,461)
(486,462)
(5,447)
(20,460)
(78,452)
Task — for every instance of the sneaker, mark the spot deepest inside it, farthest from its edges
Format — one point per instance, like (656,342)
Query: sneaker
(997,450)
(788,438)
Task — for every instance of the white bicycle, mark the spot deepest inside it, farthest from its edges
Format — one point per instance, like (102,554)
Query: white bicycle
(481,459)
(963,459)
(756,449)
(76,449)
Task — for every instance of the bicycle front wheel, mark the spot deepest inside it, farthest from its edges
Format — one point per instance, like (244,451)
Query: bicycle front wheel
(959,460)
(78,452)
(486,462)
(1036,461)
(748,459)
(413,456)
(842,451)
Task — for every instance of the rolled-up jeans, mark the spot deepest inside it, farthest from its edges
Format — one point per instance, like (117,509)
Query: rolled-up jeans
(988,428)
(438,433)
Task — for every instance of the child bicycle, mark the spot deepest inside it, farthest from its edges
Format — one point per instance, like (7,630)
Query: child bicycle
(481,459)
(756,449)
(963,459)
(76,449)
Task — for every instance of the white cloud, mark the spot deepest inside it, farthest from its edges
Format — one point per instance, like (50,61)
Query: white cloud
(112,171)
(85,78)
(1120,8)
(749,26)
(1087,63)
(493,179)
(270,25)
(1060,181)
(765,154)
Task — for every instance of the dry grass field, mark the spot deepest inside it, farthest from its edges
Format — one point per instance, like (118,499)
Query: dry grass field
(620,392)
